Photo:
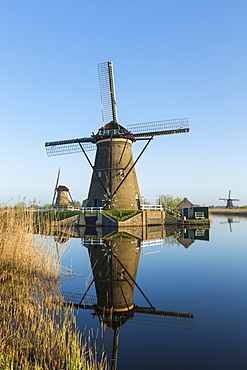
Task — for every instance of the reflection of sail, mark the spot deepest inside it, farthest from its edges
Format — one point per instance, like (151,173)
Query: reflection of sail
(168,319)
(114,264)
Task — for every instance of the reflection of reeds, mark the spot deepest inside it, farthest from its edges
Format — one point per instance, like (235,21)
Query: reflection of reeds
(36,330)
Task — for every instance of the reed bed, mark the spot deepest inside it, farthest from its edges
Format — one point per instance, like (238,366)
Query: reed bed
(37,331)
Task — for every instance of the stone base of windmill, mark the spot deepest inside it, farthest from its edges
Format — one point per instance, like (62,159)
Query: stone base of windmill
(144,225)
(145,218)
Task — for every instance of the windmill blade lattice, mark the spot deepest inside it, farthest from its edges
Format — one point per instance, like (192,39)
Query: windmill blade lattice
(107,92)
(142,315)
(166,127)
(69,146)
(110,345)
(75,299)
(55,189)
(164,319)
(58,175)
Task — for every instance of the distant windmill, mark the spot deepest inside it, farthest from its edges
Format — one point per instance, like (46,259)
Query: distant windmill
(229,201)
(61,194)
(114,182)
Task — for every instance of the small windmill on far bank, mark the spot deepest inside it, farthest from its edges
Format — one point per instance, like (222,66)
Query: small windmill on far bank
(229,201)
(61,194)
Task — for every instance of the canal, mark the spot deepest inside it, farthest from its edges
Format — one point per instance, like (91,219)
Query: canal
(179,302)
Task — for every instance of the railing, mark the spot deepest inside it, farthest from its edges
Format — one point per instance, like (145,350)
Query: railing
(150,246)
(144,207)
(65,208)
(151,207)
(159,207)
(92,209)
(173,211)
(92,241)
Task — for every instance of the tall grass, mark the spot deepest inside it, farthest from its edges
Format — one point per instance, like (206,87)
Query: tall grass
(37,331)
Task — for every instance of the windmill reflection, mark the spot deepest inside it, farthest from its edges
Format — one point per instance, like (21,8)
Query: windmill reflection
(114,263)
(230,221)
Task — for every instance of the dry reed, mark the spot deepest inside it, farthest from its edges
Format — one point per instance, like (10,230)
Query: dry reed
(37,331)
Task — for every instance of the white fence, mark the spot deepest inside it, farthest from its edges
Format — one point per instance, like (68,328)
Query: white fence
(158,207)
(92,209)
(152,246)
(144,207)
(65,208)
(151,207)
(176,213)
(92,241)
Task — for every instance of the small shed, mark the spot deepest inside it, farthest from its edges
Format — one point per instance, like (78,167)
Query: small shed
(186,208)
(190,211)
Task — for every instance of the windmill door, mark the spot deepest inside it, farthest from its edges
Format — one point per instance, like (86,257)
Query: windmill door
(97,202)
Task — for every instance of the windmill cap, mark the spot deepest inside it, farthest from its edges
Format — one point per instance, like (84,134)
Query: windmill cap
(113,128)
(62,188)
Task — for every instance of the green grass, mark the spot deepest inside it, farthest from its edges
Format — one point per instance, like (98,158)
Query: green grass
(121,215)
(121,235)
(54,215)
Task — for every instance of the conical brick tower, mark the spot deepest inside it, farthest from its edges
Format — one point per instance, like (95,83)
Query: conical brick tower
(118,186)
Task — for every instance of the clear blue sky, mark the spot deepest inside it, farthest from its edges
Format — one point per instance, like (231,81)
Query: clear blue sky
(171,59)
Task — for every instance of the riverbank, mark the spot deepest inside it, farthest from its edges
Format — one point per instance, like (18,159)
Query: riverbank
(37,331)
(228,212)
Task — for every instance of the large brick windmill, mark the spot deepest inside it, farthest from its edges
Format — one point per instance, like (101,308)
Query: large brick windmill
(114,182)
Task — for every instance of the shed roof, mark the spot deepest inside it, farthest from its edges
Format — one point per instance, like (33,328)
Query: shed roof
(185,203)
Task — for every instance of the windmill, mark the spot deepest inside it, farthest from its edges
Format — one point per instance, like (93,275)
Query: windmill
(114,182)
(61,194)
(229,201)
(114,265)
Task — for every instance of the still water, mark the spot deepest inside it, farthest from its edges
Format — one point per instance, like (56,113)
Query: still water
(202,273)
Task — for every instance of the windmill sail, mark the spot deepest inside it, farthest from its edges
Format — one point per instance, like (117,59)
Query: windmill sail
(167,127)
(69,146)
(55,189)
(179,320)
(107,92)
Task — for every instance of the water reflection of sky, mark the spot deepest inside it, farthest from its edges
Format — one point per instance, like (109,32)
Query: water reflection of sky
(207,279)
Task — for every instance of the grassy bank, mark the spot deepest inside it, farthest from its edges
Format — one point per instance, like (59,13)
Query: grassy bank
(45,216)
(37,331)
(121,215)
(42,217)
(228,212)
